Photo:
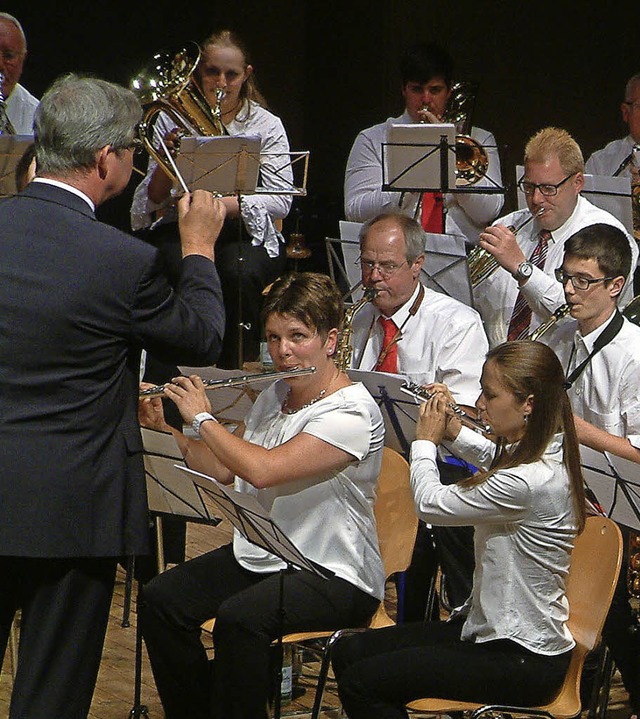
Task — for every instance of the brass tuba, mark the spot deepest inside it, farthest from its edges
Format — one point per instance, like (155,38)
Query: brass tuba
(167,85)
(472,161)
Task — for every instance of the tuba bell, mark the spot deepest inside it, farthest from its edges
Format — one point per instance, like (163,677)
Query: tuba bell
(472,161)
(168,85)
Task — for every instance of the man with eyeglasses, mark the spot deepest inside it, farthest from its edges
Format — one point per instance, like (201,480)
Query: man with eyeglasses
(426,71)
(609,160)
(411,330)
(522,292)
(600,351)
(20,103)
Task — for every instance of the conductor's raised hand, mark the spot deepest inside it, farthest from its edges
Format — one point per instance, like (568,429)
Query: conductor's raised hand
(200,219)
(189,395)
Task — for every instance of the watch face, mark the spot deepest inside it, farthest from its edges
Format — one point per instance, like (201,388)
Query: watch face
(525,269)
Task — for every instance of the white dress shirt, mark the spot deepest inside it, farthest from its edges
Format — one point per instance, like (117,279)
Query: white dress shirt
(525,526)
(258,210)
(443,342)
(329,518)
(467,214)
(495,297)
(21,107)
(607,392)
(607,160)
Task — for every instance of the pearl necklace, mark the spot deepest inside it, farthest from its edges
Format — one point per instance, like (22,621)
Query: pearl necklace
(286,410)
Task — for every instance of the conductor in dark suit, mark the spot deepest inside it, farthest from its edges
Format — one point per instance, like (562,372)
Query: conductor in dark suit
(78,301)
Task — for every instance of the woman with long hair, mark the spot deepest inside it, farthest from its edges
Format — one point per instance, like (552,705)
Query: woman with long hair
(509,642)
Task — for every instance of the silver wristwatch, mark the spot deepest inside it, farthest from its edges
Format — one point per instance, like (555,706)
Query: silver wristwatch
(524,270)
(199,419)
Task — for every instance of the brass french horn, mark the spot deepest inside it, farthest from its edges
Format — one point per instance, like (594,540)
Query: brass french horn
(168,85)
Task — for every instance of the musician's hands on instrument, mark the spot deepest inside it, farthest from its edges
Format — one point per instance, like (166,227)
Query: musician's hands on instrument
(151,412)
(432,419)
(200,218)
(500,241)
(454,424)
(189,395)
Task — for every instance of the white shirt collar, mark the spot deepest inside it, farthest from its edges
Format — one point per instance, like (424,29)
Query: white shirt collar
(68,188)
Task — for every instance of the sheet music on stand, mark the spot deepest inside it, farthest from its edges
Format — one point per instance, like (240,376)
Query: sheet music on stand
(12,147)
(250,518)
(399,410)
(232,165)
(168,491)
(612,194)
(616,484)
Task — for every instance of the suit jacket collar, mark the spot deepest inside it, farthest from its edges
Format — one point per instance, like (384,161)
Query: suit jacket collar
(59,196)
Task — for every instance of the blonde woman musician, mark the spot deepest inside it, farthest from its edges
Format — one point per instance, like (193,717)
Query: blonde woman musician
(510,643)
(311,455)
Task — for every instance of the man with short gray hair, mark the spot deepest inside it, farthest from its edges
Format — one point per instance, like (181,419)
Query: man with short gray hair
(79,300)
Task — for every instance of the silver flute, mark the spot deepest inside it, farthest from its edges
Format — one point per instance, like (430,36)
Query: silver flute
(419,392)
(158,390)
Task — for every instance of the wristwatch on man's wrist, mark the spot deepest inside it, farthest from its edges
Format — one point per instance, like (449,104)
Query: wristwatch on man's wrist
(199,419)
(523,271)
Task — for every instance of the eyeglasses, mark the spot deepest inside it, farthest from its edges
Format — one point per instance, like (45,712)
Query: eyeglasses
(546,189)
(386,269)
(136,145)
(11,57)
(578,281)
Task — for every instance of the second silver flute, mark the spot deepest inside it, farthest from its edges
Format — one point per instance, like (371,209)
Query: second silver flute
(419,392)
(158,390)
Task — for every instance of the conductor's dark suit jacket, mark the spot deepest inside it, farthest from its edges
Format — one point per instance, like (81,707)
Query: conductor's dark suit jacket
(78,301)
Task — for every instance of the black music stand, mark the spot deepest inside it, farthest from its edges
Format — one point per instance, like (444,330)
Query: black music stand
(232,165)
(616,484)
(256,526)
(168,495)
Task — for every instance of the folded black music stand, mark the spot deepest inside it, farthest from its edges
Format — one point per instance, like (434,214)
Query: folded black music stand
(248,516)
(616,484)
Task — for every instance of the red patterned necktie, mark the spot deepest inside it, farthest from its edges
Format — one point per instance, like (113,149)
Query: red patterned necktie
(431,217)
(388,357)
(521,316)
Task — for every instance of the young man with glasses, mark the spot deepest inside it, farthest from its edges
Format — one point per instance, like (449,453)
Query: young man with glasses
(600,351)
(523,292)
(20,103)
(411,330)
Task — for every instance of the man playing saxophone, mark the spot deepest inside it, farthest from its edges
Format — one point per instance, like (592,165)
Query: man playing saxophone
(522,292)
(411,330)
(427,80)
(600,352)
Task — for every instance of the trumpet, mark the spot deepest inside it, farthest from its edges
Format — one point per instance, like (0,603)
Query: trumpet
(558,314)
(419,392)
(483,264)
(158,390)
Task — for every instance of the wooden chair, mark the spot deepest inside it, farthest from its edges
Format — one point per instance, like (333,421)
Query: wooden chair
(397,525)
(595,564)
